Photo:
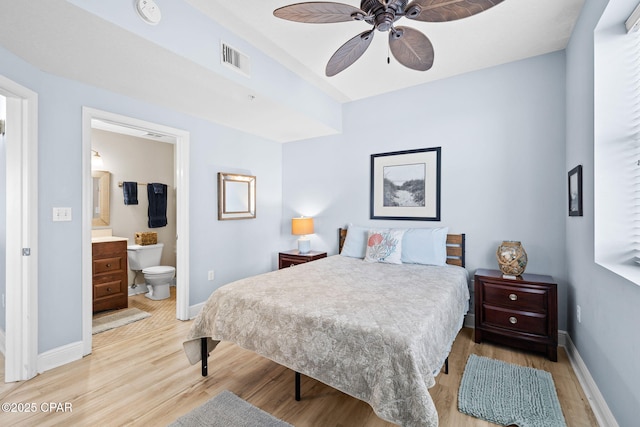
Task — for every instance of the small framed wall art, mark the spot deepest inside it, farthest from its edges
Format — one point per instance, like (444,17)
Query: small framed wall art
(405,185)
(575,191)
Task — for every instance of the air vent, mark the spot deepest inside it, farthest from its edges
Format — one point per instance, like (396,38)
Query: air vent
(235,59)
(153,135)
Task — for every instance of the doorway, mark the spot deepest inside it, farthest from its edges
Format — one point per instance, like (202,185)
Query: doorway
(180,139)
(20,296)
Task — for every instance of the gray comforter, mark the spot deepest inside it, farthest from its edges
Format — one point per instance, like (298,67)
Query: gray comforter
(378,332)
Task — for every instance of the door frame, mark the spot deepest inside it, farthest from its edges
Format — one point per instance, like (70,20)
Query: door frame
(21,288)
(181,169)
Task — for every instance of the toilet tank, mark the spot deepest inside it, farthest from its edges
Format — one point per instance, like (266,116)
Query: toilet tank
(143,256)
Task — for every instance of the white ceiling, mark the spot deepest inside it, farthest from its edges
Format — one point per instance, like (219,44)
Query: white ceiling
(59,38)
(512,30)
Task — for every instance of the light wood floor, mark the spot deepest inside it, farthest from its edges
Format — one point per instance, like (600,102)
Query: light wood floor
(138,375)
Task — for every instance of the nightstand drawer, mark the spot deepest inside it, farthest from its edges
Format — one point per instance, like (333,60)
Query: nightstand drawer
(289,262)
(294,257)
(515,297)
(533,323)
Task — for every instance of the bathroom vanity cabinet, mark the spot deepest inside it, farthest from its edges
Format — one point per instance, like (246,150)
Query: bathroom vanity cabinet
(110,275)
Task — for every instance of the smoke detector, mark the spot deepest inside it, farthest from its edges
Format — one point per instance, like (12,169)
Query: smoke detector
(148,11)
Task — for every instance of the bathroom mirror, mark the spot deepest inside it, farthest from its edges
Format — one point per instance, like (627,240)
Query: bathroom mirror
(236,196)
(101,191)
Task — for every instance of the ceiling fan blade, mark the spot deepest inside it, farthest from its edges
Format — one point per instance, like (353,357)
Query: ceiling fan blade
(319,12)
(411,48)
(446,10)
(349,53)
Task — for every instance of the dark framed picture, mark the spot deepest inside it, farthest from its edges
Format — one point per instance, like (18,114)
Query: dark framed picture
(575,191)
(405,185)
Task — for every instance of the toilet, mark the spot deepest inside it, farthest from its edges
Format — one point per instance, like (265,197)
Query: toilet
(158,278)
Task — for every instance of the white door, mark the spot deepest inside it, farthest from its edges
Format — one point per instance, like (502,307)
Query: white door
(21,139)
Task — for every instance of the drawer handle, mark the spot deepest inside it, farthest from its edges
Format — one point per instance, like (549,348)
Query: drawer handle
(108,289)
(108,265)
(513,320)
(513,297)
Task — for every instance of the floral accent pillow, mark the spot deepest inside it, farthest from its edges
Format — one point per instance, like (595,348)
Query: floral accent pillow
(384,246)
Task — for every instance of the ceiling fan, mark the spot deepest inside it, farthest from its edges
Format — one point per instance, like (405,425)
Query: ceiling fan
(409,46)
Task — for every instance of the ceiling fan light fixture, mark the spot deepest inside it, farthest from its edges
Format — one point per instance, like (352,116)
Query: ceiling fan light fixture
(409,46)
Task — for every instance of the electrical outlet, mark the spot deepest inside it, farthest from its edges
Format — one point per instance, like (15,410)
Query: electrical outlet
(579,314)
(211,275)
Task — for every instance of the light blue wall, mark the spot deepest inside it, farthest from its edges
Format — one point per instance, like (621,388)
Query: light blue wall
(607,338)
(233,248)
(502,134)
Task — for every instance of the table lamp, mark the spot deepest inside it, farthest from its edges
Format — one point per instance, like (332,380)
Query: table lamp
(301,227)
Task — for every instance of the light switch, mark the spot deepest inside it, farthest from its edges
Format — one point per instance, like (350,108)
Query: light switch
(62,214)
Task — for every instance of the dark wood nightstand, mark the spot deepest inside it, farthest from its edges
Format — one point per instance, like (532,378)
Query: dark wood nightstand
(520,312)
(293,257)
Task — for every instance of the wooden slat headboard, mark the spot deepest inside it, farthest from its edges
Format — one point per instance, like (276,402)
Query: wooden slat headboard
(455,247)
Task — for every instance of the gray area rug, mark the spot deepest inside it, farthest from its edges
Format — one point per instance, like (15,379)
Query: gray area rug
(116,319)
(228,410)
(507,394)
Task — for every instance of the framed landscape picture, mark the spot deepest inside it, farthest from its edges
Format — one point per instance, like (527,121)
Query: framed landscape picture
(405,185)
(575,191)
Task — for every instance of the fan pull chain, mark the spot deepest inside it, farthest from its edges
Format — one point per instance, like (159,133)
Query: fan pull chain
(388,56)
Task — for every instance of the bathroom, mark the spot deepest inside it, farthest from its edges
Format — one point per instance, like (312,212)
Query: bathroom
(131,155)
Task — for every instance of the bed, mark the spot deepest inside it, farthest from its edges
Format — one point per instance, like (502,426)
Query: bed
(379,332)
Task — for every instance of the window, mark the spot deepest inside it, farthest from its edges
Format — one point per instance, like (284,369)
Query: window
(617,149)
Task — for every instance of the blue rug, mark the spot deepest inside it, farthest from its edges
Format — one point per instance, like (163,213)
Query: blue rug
(507,394)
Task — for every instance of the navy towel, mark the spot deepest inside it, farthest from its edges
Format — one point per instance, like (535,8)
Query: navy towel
(157,205)
(130,191)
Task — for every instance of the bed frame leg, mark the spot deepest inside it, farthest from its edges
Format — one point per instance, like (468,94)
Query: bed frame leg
(297,386)
(205,356)
(446,366)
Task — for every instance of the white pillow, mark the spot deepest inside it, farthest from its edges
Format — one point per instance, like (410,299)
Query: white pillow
(355,245)
(425,246)
(384,246)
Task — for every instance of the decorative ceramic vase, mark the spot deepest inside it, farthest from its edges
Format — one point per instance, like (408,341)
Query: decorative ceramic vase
(512,258)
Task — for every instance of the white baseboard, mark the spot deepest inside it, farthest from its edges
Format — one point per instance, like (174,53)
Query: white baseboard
(60,356)
(596,400)
(194,310)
